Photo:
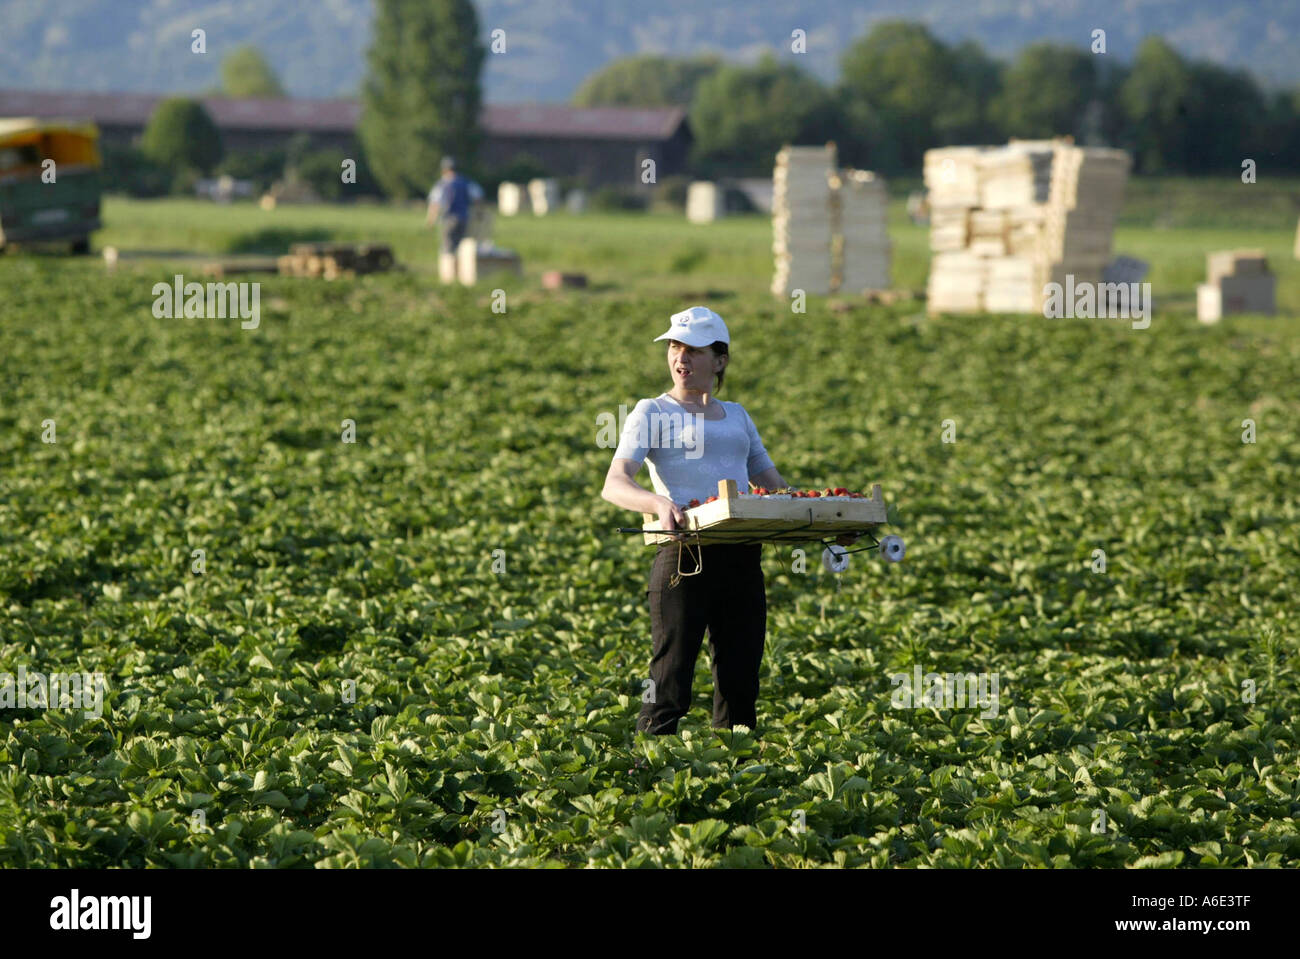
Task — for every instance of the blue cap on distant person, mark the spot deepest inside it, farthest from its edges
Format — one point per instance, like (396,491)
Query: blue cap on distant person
(697,326)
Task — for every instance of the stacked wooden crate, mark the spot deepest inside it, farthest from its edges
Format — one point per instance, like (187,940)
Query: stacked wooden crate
(512,199)
(704,202)
(859,232)
(957,277)
(544,196)
(1015,187)
(1011,285)
(952,176)
(332,260)
(957,282)
(474,260)
(1083,204)
(949,228)
(1019,174)
(1031,211)
(1237,281)
(801,202)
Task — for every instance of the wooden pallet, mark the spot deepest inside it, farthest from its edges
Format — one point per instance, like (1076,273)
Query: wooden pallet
(235,266)
(730,517)
(332,260)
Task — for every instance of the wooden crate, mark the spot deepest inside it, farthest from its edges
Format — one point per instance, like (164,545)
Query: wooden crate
(330,260)
(785,518)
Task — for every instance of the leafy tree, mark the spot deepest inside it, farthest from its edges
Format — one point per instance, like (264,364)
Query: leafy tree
(1047,92)
(1155,100)
(864,140)
(1112,126)
(263,166)
(966,116)
(322,172)
(245,73)
(1226,116)
(743,114)
(421,98)
(297,149)
(128,171)
(1279,135)
(181,136)
(914,86)
(521,168)
(646,81)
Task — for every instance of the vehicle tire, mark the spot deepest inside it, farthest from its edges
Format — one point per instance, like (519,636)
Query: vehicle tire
(835,559)
(81,247)
(891,548)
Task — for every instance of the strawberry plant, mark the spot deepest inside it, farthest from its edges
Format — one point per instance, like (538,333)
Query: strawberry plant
(353,677)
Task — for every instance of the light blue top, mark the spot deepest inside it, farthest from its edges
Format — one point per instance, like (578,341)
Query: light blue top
(688,454)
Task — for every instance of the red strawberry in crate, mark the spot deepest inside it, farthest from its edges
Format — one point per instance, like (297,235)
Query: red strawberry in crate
(694,503)
(841,491)
(710,499)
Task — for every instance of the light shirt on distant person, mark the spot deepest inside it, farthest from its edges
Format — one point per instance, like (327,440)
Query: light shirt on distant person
(689,454)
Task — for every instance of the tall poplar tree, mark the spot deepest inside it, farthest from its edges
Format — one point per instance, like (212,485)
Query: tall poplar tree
(421,97)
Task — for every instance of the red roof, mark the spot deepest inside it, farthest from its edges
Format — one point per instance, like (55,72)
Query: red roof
(551,120)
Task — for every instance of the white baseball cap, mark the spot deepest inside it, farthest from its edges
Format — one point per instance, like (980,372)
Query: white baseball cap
(698,326)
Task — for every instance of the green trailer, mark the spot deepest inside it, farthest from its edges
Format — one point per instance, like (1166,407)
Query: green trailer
(50,182)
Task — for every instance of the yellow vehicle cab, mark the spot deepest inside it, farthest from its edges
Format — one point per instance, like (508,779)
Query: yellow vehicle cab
(50,181)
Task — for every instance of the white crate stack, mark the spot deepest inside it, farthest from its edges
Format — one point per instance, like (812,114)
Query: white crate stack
(1015,191)
(957,276)
(544,196)
(957,282)
(1237,281)
(512,199)
(1008,220)
(859,232)
(1083,204)
(801,211)
(952,176)
(703,202)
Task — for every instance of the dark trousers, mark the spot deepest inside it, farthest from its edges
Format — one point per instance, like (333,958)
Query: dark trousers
(728,599)
(453,231)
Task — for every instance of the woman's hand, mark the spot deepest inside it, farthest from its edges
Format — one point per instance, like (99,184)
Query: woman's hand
(670,514)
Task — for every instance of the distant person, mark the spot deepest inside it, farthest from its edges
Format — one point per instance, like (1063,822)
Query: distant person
(450,203)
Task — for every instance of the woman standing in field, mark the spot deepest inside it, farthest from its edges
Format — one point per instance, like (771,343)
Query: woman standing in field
(692,442)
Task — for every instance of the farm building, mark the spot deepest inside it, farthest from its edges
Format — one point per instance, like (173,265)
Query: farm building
(599,145)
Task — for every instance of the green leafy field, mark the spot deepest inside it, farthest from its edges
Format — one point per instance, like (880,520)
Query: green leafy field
(371,562)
